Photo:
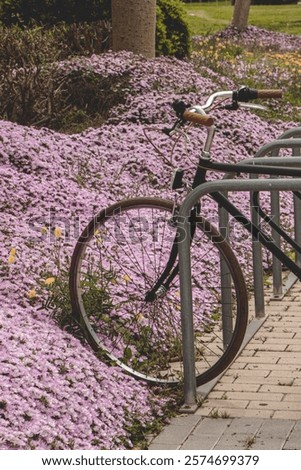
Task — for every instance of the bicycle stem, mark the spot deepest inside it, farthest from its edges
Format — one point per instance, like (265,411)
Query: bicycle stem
(208,143)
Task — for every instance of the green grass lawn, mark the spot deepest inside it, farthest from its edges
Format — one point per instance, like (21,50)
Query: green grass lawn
(210,17)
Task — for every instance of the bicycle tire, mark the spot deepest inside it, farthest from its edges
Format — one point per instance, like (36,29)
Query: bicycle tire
(117,259)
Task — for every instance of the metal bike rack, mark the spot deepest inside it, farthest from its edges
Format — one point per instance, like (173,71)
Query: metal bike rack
(272,149)
(288,140)
(185,261)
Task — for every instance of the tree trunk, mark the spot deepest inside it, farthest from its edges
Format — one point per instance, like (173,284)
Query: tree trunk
(241,13)
(134,26)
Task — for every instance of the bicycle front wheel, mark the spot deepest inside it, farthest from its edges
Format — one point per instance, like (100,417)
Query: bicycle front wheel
(118,260)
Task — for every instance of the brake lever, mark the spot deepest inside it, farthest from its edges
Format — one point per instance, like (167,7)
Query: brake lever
(253,106)
(235,105)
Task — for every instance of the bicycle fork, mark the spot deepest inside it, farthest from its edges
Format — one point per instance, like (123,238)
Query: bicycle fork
(171,269)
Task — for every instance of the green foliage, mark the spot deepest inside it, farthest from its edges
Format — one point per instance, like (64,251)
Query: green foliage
(173,37)
(54,289)
(57,300)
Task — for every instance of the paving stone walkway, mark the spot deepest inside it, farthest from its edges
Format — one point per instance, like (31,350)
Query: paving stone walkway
(193,432)
(256,404)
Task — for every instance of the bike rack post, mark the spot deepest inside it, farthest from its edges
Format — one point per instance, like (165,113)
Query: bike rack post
(185,262)
(297,213)
(257,268)
(187,318)
(274,146)
(276,267)
(275,207)
(226,296)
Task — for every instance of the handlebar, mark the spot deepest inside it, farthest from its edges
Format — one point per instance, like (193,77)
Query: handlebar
(198,118)
(269,94)
(245,94)
(241,97)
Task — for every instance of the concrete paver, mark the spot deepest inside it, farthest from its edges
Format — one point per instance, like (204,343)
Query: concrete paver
(293,442)
(208,431)
(256,404)
(273,434)
(235,433)
(174,434)
(240,434)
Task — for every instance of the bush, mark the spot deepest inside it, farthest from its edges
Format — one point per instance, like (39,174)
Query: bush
(172,37)
(172,31)
(34,90)
(23,55)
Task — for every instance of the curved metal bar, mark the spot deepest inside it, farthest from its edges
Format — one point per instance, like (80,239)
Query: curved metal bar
(185,260)
(270,151)
(237,185)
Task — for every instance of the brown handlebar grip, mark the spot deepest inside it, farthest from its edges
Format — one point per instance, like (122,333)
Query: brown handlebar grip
(198,118)
(269,93)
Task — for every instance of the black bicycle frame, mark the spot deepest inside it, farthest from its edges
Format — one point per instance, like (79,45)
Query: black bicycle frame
(171,270)
(259,235)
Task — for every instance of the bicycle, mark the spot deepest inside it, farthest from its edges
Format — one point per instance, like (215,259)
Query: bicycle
(124,281)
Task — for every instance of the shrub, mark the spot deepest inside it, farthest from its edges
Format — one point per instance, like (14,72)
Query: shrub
(82,38)
(173,36)
(34,90)
(23,56)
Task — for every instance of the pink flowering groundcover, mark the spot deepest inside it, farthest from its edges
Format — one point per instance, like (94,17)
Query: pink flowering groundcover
(54,392)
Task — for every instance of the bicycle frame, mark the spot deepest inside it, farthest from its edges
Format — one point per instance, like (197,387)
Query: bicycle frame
(172,267)
(128,323)
(259,234)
